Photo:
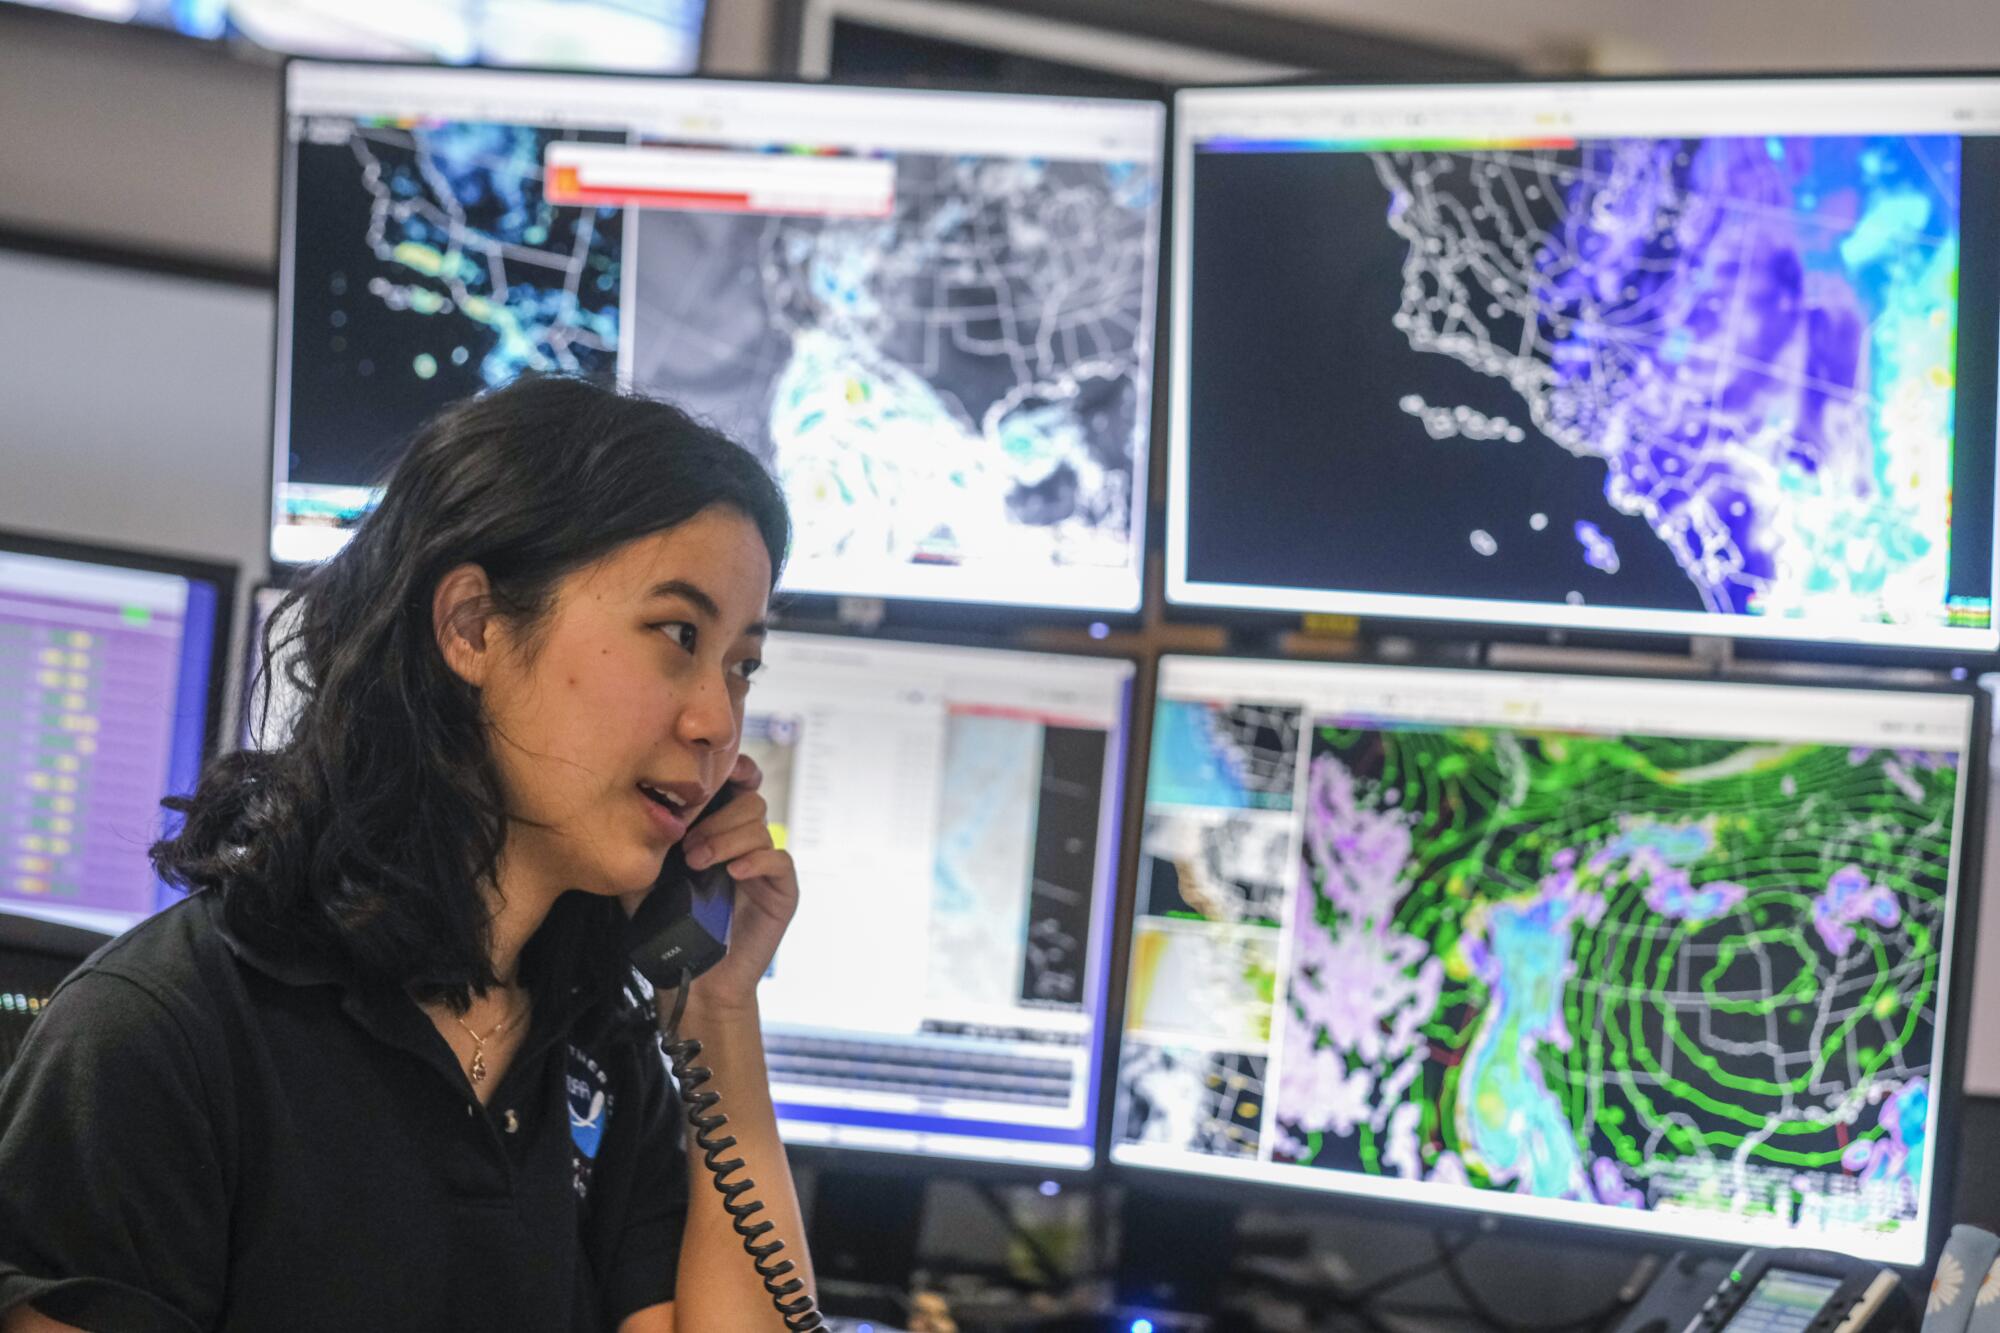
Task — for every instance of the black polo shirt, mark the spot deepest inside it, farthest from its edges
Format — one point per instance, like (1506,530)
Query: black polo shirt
(199,1136)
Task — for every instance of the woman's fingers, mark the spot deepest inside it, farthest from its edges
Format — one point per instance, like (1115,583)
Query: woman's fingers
(769,864)
(748,808)
(717,839)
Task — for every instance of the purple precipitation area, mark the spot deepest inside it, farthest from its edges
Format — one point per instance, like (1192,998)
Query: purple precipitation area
(1599,551)
(1849,898)
(1726,319)
(1897,1156)
(1912,759)
(1607,1179)
(1902,766)
(1656,855)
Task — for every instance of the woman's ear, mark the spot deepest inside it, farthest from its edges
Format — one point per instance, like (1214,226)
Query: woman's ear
(460,609)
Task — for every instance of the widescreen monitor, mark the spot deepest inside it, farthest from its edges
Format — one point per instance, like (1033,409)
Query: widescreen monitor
(656,36)
(930,314)
(955,814)
(1710,357)
(110,680)
(1670,958)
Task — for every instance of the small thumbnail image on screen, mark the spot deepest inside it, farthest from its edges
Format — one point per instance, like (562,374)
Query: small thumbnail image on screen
(1215,865)
(1198,1101)
(1235,755)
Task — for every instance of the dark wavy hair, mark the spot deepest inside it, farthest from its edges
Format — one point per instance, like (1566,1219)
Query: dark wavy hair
(366,838)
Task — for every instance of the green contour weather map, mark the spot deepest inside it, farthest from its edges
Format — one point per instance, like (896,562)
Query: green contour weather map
(1696,976)
(1641,972)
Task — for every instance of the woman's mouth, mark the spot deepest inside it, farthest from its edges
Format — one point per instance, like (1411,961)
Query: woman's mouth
(668,807)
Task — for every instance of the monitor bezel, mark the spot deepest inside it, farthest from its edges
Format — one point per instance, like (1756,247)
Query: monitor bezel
(1103,1054)
(251,664)
(1947,1079)
(915,615)
(1202,605)
(223,576)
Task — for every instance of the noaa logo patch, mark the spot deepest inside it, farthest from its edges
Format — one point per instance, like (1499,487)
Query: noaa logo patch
(589,1096)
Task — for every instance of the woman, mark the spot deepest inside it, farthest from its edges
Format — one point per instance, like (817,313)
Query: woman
(383,1068)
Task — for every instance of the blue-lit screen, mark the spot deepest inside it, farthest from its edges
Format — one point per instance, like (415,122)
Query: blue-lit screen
(656,36)
(105,688)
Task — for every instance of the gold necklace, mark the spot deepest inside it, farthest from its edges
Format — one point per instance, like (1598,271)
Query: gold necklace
(478,1066)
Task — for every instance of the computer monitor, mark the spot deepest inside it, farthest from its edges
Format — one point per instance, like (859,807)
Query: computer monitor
(35,956)
(1703,357)
(1671,958)
(929,313)
(955,816)
(656,36)
(109,667)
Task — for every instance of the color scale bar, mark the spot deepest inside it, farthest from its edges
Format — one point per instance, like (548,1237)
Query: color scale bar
(1229,145)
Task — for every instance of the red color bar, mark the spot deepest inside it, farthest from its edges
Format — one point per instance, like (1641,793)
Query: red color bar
(563,187)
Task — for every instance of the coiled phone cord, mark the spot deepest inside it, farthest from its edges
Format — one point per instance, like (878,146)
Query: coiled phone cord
(788,1294)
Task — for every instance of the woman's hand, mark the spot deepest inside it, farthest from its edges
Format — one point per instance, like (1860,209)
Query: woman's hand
(767,888)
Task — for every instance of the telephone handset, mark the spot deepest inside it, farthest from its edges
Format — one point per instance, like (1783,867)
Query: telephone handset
(679,932)
(683,925)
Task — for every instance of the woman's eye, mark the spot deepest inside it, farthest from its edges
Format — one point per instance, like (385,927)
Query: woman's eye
(749,667)
(681,632)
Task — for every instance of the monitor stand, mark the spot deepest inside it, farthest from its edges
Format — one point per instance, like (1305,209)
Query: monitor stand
(863,1234)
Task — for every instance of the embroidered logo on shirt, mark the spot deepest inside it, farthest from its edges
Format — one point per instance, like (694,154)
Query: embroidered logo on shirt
(590,1102)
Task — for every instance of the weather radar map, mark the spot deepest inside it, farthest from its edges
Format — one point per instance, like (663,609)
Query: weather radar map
(1652,973)
(430,266)
(962,382)
(1756,335)
(1638,972)
(1643,381)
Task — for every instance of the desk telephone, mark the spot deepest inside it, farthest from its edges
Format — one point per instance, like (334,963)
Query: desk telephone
(1773,1291)
(680,931)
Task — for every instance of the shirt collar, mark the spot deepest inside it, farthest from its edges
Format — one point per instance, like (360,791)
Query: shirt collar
(380,1011)
(293,969)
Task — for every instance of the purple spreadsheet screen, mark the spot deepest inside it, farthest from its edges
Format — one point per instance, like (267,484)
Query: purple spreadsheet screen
(103,712)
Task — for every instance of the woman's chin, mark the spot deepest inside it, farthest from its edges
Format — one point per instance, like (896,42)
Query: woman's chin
(631,884)
(630,889)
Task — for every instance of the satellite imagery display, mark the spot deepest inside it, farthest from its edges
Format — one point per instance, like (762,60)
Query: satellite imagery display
(985,842)
(958,384)
(1710,375)
(1625,970)
(428,267)
(964,382)
(1014,873)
